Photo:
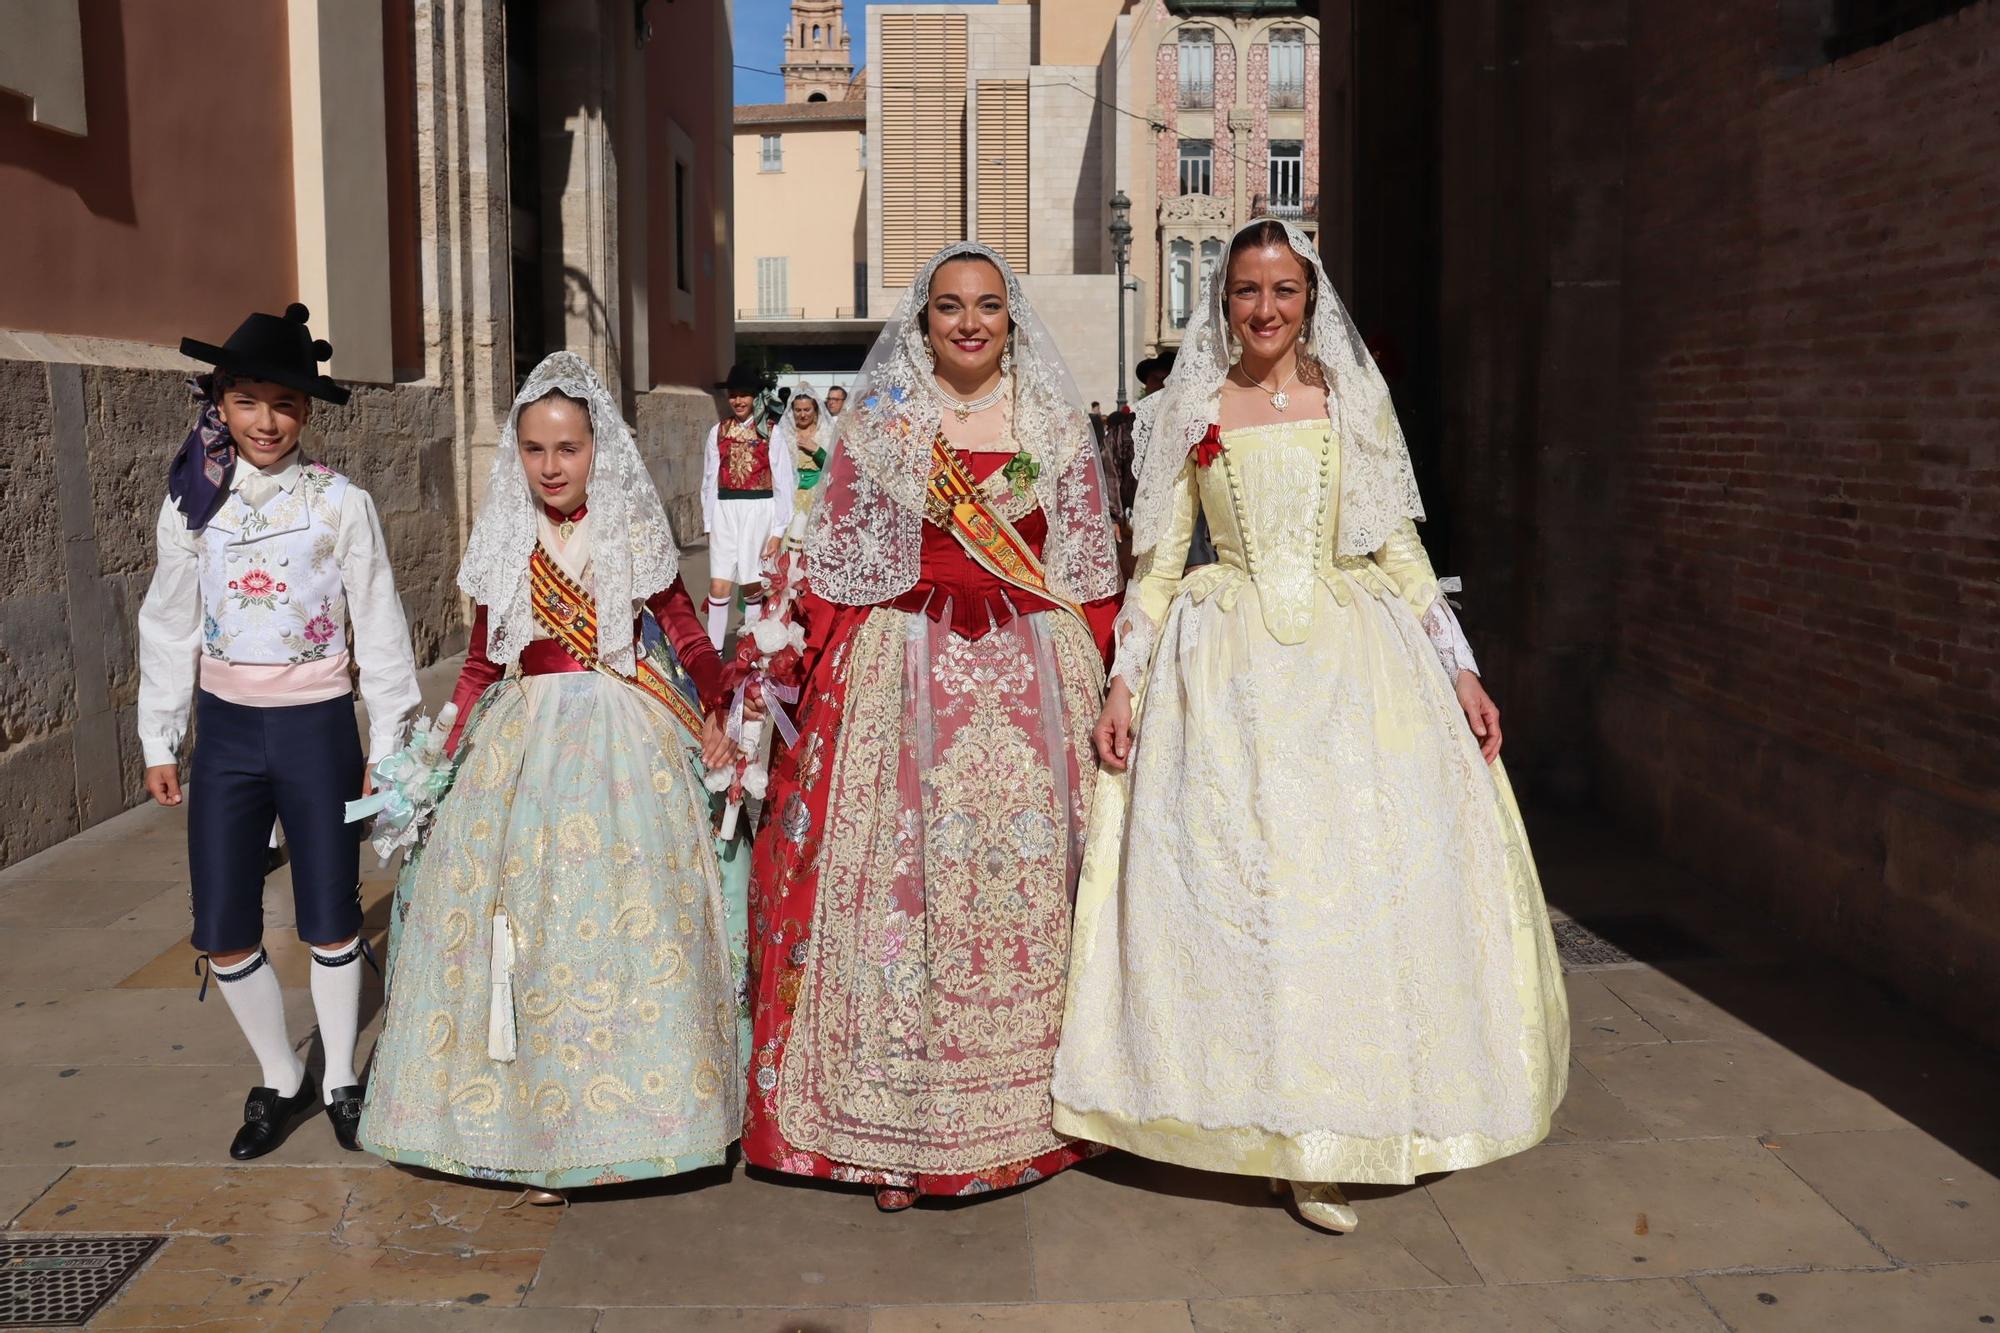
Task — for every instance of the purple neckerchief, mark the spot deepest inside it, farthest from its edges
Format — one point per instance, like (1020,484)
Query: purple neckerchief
(198,478)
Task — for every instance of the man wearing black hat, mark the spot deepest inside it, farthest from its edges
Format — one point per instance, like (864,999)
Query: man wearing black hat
(746,501)
(272,576)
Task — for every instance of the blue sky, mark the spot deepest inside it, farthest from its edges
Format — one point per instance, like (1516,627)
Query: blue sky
(760,42)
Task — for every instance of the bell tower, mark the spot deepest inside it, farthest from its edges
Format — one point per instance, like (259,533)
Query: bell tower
(819,63)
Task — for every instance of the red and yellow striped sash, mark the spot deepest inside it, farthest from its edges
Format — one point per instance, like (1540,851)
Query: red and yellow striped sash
(563,606)
(568,612)
(958,506)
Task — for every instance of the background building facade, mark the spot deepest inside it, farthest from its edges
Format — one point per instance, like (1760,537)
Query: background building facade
(1230,94)
(453,190)
(801,168)
(980,133)
(819,64)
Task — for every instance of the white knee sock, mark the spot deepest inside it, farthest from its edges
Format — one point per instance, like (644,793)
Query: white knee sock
(753,611)
(336,988)
(718,621)
(251,988)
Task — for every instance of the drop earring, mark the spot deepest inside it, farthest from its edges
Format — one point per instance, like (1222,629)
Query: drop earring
(1007,357)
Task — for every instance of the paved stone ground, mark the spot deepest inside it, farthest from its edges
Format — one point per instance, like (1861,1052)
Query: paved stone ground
(1750,1142)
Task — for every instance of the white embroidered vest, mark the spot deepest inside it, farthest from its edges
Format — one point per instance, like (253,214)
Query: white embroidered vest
(270,586)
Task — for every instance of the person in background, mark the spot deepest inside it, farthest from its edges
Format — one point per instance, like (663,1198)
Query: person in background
(746,503)
(804,433)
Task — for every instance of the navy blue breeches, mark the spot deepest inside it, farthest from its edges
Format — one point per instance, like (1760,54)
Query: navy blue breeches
(302,764)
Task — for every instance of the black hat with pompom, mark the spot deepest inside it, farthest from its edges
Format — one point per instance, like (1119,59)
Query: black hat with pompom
(743,379)
(277,348)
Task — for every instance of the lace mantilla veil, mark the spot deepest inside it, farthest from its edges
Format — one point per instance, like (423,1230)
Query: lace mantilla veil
(632,549)
(865,541)
(1377,488)
(785,435)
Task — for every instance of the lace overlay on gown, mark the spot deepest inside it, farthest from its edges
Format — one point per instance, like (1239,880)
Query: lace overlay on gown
(1310,941)
(912,893)
(933,991)
(578,814)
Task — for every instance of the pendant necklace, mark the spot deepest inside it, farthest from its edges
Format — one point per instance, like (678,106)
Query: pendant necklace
(565,524)
(963,408)
(1279,398)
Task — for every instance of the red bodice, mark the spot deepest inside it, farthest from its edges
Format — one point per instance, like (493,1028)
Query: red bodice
(949,582)
(671,606)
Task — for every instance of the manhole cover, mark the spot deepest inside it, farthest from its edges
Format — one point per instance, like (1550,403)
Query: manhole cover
(61,1281)
(1624,941)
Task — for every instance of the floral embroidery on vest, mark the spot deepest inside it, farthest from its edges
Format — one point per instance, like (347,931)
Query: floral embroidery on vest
(746,457)
(270,580)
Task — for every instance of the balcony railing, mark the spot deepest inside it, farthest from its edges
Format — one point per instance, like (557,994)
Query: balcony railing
(1288,95)
(1197,94)
(1284,206)
(801,313)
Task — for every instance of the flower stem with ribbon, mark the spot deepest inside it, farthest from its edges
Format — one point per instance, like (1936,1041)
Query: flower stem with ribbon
(768,671)
(408,786)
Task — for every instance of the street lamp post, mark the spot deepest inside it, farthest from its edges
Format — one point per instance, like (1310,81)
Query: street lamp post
(1121,251)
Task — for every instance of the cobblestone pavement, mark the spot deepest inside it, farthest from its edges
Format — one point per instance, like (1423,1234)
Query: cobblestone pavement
(1750,1142)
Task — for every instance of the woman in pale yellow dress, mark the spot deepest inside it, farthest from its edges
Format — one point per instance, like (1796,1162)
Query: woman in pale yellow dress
(1310,943)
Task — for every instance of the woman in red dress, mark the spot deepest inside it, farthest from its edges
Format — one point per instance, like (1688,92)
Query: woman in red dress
(910,896)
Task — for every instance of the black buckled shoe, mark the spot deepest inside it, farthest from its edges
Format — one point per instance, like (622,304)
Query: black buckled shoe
(267,1118)
(345,1113)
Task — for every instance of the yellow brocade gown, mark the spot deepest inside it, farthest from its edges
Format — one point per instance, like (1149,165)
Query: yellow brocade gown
(1309,940)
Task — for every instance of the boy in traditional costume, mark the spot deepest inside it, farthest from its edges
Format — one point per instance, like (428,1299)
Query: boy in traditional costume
(746,503)
(272,577)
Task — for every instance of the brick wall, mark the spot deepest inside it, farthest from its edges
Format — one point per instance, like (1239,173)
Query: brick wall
(1805,694)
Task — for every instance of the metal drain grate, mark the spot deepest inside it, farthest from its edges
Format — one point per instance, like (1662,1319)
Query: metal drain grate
(1624,941)
(1582,948)
(61,1281)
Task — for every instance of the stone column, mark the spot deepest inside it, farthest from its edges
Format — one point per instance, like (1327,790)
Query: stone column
(462,207)
(578,44)
(340,182)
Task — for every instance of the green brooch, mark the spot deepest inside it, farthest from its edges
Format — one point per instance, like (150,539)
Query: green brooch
(1021,472)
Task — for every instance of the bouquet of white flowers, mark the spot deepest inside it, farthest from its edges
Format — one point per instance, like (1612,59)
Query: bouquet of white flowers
(408,786)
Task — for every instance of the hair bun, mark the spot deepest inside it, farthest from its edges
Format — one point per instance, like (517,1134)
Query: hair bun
(297,313)
(322,350)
